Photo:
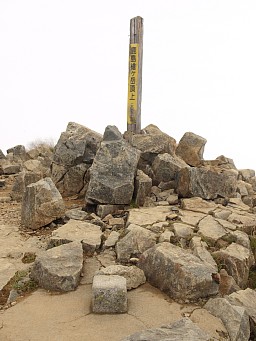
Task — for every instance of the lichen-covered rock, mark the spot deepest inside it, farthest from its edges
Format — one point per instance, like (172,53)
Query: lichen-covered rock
(113,171)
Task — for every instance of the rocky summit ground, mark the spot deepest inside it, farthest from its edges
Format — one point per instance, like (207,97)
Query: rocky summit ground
(126,238)
(40,315)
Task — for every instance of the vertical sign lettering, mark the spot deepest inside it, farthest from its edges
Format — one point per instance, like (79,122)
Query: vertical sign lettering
(133,84)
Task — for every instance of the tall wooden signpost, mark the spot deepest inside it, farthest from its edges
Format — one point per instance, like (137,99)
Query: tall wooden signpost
(135,76)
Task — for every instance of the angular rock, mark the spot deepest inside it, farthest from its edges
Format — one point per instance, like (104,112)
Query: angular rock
(134,243)
(9,168)
(22,180)
(76,214)
(246,299)
(241,188)
(173,199)
(73,154)
(142,188)
(59,268)
(246,174)
(198,205)
(237,260)
(211,230)
(166,236)
(134,276)
(104,210)
(182,230)
(80,231)
(19,151)
(227,283)
(34,166)
(116,222)
(183,329)
(74,179)
(166,167)
(191,149)
(235,318)
(209,323)
(112,239)
(152,143)
(112,173)
(2,156)
(109,294)
(177,272)
(190,217)
(7,271)
(41,204)
(76,145)
(148,216)
(199,249)
(206,183)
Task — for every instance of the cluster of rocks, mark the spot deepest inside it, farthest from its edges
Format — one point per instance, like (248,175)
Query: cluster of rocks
(153,211)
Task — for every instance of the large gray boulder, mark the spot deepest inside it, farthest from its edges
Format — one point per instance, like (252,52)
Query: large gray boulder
(59,268)
(113,171)
(41,204)
(73,155)
(183,329)
(191,149)
(165,167)
(177,272)
(207,182)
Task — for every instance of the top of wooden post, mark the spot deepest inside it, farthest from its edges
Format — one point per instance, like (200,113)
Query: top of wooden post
(135,76)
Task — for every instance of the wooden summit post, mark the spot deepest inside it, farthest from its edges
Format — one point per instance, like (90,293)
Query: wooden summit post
(135,76)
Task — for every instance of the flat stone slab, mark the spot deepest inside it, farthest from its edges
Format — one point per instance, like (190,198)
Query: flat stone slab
(183,329)
(134,276)
(109,294)
(79,231)
(148,216)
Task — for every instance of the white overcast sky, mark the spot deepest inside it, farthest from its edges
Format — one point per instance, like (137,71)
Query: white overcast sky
(67,60)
